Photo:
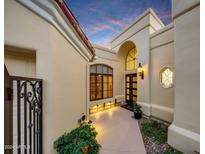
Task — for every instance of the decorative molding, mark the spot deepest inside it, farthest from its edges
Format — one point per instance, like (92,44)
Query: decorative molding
(50,12)
(186,10)
(148,11)
(125,40)
(164,29)
(185,132)
(166,109)
(104,49)
(156,17)
(146,108)
(157,46)
(162,112)
(111,59)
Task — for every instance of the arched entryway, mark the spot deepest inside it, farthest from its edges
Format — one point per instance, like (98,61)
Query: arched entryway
(129,52)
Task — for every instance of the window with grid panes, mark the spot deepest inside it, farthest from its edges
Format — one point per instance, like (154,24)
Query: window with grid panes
(101,82)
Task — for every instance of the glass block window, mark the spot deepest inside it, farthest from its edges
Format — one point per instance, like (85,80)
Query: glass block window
(166,77)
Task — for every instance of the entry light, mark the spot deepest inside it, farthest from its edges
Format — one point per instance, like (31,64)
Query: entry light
(140,71)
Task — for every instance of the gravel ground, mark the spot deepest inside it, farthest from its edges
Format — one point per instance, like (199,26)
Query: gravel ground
(151,145)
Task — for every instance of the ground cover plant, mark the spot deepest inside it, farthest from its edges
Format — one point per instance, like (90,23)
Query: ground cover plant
(153,129)
(154,135)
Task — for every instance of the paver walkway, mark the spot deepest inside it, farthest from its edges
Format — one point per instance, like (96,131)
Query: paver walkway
(118,132)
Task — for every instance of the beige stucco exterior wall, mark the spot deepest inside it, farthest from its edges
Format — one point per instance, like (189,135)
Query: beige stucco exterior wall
(139,33)
(61,67)
(20,63)
(184,131)
(104,56)
(162,55)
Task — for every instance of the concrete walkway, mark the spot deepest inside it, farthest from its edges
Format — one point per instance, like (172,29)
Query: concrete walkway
(118,132)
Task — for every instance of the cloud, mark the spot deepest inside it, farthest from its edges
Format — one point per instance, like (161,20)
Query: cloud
(96,28)
(105,44)
(103,41)
(116,22)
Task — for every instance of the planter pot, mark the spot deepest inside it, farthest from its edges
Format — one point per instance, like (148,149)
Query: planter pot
(138,115)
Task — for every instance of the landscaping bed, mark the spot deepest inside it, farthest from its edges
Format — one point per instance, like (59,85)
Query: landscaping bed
(154,135)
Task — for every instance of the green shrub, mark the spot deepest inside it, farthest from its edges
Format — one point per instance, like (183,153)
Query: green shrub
(152,129)
(172,151)
(137,108)
(79,141)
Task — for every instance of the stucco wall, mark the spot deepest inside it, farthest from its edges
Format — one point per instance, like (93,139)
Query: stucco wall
(104,56)
(162,55)
(62,69)
(138,34)
(184,131)
(20,63)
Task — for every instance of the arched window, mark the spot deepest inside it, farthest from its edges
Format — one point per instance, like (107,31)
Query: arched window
(131,62)
(101,82)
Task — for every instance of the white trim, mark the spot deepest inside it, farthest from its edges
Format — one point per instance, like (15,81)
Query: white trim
(110,59)
(164,29)
(156,17)
(162,112)
(185,132)
(49,12)
(165,112)
(148,11)
(146,108)
(104,49)
(166,109)
(183,139)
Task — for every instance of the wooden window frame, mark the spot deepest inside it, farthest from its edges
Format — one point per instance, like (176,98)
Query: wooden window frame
(102,81)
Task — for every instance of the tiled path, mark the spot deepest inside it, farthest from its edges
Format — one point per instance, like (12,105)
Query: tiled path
(118,132)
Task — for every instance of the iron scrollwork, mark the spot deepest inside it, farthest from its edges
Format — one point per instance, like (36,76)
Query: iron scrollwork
(32,91)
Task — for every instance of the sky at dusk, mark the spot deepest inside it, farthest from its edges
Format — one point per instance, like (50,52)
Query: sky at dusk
(101,20)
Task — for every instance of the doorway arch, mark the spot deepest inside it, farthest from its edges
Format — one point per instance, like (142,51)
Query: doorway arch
(128,51)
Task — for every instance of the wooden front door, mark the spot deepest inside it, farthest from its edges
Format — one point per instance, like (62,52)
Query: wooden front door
(131,89)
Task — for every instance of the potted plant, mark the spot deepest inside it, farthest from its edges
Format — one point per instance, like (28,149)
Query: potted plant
(137,111)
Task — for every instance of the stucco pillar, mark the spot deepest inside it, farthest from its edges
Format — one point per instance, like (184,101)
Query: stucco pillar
(184,132)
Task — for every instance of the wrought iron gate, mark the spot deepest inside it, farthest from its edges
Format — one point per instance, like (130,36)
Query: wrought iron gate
(26,114)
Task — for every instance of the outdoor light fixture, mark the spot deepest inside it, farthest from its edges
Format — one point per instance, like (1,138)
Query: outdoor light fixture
(140,71)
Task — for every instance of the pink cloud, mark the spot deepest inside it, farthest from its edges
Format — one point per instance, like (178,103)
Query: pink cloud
(116,22)
(99,27)
(105,44)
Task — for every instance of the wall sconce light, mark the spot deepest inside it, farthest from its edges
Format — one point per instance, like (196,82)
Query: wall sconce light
(140,71)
